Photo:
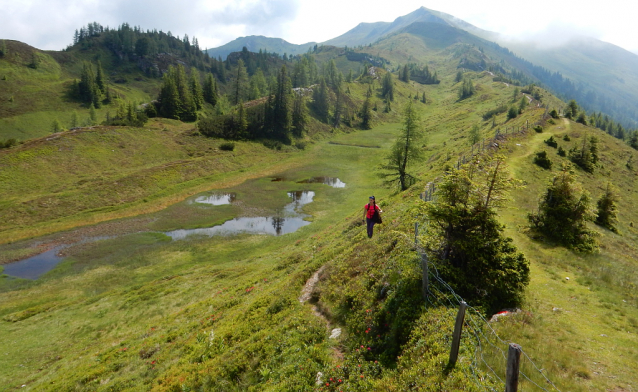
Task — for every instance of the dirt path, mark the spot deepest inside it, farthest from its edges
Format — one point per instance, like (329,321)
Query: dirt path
(306,296)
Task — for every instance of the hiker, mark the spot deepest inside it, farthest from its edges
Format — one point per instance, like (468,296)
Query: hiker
(369,211)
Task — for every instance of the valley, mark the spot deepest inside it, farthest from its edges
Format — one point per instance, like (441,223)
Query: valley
(220,254)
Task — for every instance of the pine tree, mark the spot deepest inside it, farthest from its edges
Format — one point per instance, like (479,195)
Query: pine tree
(475,135)
(99,78)
(239,85)
(196,89)
(74,120)
(406,150)
(459,77)
(241,123)
(92,115)
(299,116)
(387,90)
(366,114)
(209,91)
(423,99)
(336,116)
(607,210)
(405,75)
(282,119)
(320,98)
(563,213)
(465,240)
(56,126)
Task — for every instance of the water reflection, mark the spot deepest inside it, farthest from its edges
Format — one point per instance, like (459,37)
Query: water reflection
(289,222)
(217,200)
(332,181)
(36,266)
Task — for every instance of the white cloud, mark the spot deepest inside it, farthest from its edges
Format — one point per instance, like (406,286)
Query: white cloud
(49,24)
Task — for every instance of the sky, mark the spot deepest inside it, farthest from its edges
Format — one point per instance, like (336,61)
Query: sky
(50,24)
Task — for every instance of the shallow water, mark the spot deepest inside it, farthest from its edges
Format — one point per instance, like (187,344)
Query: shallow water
(35,266)
(290,221)
(217,199)
(332,181)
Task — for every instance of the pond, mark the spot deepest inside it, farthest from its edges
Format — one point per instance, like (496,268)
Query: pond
(332,181)
(288,220)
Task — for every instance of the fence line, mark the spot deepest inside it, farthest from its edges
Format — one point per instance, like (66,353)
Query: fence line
(436,291)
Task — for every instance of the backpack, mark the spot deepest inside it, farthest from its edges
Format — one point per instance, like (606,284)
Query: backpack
(376,217)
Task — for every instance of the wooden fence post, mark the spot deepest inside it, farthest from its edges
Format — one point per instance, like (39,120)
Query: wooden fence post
(425,278)
(456,338)
(513,362)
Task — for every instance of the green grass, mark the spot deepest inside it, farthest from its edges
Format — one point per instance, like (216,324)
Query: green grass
(223,313)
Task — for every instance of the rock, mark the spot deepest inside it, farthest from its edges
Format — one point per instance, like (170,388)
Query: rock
(319,378)
(567,278)
(335,333)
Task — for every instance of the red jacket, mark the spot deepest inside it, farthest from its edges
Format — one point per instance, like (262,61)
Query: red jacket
(370,211)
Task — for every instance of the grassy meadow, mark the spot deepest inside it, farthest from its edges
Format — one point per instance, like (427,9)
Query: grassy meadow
(142,312)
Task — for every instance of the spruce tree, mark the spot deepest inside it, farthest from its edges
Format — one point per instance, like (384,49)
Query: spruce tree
(196,89)
(475,134)
(321,103)
(92,115)
(209,91)
(282,120)
(366,114)
(299,116)
(465,240)
(239,85)
(563,213)
(607,210)
(387,90)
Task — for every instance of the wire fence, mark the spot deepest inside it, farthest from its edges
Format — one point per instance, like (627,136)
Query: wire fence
(488,356)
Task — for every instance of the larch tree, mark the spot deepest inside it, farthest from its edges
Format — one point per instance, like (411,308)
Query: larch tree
(405,151)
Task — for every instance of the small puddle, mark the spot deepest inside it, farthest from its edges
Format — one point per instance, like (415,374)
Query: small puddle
(273,225)
(217,199)
(332,181)
(35,266)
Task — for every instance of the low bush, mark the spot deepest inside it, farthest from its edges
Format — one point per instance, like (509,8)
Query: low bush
(542,160)
(227,146)
(538,129)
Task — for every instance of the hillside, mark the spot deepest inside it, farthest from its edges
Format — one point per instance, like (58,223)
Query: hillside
(148,294)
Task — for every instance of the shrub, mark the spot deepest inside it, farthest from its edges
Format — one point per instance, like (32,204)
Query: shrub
(562,152)
(542,160)
(227,146)
(606,214)
(512,113)
(553,113)
(586,156)
(494,112)
(538,129)
(551,142)
(563,213)
(551,121)
(273,144)
(8,143)
(566,138)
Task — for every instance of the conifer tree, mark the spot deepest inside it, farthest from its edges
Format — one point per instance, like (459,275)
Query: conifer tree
(563,213)
(465,240)
(475,134)
(320,98)
(282,119)
(299,116)
(241,122)
(406,150)
(607,210)
(56,126)
(387,90)
(366,114)
(459,76)
(196,90)
(239,85)
(209,91)
(74,120)
(405,75)
(336,116)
